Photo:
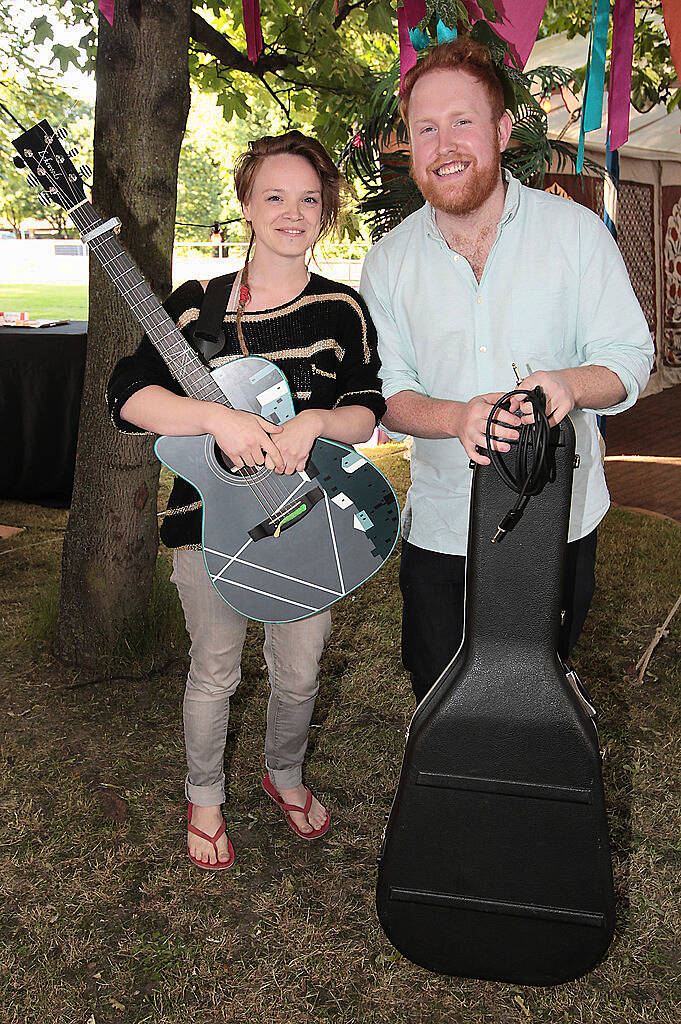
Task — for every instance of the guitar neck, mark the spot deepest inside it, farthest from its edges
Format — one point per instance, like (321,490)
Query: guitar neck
(178,355)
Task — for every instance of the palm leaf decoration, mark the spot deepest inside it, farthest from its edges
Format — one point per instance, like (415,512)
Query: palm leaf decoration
(378,154)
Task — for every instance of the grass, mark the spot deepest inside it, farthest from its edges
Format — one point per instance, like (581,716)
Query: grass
(46,302)
(105,918)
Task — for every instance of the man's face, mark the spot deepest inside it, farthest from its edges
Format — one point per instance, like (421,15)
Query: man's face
(455,142)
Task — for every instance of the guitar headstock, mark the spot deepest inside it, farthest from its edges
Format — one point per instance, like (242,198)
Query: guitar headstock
(50,166)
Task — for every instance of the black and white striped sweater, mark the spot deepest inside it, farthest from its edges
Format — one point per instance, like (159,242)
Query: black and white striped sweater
(323,341)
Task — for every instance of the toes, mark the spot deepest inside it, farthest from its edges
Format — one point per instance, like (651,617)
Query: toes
(303,824)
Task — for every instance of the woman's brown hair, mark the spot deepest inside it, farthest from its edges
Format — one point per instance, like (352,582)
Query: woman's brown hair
(247,165)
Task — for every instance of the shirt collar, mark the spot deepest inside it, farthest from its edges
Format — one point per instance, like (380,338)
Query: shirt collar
(511,205)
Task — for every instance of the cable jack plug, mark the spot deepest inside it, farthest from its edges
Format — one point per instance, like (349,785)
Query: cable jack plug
(507,524)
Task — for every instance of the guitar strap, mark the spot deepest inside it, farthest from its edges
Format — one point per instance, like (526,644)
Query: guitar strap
(207,332)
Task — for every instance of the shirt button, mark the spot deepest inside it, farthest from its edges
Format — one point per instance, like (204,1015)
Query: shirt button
(483,348)
(479,299)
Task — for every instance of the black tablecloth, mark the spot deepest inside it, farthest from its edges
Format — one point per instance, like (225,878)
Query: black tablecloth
(41,381)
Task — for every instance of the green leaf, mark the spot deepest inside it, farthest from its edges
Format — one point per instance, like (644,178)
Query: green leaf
(66,55)
(224,100)
(42,30)
(379,18)
(488,9)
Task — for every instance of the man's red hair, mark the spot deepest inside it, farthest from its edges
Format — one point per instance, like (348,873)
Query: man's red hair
(461,54)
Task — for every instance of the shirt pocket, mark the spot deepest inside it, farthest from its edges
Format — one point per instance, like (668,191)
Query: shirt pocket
(540,329)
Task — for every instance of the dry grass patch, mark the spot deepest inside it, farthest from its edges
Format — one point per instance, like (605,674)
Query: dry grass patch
(104,916)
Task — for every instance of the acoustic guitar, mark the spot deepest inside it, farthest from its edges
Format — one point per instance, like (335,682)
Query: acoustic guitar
(276,548)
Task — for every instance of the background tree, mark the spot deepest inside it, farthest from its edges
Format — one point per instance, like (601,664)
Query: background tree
(140,115)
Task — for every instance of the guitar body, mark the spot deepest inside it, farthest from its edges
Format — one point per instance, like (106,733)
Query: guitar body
(495,861)
(339,520)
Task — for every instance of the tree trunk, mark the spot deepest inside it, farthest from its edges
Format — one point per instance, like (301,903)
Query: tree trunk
(140,116)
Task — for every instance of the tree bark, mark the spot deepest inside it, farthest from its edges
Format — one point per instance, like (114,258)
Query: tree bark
(140,116)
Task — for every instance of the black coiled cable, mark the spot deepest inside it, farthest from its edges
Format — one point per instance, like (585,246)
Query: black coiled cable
(531,455)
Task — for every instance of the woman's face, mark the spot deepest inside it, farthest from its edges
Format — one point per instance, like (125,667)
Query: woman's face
(285,205)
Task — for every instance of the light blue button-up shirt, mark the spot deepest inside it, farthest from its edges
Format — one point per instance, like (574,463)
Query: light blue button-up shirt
(554,293)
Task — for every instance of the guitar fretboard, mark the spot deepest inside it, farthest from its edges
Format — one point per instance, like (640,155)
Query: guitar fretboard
(180,358)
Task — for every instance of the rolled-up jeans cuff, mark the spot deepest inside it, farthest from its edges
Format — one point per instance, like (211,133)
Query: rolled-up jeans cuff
(286,778)
(206,796)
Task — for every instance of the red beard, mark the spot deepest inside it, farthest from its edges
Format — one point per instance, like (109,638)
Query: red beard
(464,199)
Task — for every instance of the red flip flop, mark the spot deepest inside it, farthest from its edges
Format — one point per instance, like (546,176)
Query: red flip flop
(274,794)
(221,864)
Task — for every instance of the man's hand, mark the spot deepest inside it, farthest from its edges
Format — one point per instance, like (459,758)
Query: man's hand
(472,421)
(295,441)
(245,438)
(560,397)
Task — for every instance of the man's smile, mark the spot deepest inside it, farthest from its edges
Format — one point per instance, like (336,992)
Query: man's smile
(455,167)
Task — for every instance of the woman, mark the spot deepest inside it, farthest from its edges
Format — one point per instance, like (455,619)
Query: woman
(321,336)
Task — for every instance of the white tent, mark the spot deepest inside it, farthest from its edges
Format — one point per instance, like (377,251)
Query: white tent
(649,208)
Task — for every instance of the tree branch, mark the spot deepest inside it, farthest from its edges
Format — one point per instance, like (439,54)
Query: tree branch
(345,9)
(211,41)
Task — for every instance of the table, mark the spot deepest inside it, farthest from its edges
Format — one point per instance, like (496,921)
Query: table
(41,382)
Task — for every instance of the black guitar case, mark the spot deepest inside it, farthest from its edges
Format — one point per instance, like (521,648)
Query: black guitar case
(495,861)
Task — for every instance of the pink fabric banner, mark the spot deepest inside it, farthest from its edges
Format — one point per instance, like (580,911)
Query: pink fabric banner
(518,24)
(254,43)
(415,11)
(620,72)
(407,51)
(106,9)
(671,10)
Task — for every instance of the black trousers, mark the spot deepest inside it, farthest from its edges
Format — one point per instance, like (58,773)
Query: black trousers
(432,586)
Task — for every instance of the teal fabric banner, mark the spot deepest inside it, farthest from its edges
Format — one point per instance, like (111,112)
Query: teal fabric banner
(594,81)
(593,108)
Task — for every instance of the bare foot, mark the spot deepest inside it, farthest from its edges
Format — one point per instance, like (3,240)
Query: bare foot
(317,814)
(208,820)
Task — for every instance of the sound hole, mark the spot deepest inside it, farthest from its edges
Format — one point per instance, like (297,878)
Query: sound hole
(227,464)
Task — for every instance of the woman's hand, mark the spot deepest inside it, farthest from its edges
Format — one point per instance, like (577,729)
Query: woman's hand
(295,441)
(246,439)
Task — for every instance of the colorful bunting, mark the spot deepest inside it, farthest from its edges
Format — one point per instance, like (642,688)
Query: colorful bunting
(620,73)
(254,43)
(408,16)
(518,24)
(106,9)
(407,51)
(671,10)
(594,81)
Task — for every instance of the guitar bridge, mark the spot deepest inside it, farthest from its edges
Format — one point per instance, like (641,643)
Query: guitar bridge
(288,516)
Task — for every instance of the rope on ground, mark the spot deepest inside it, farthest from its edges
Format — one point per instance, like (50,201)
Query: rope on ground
(35,544)
(660,632)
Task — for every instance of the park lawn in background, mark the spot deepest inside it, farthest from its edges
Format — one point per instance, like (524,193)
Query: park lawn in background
(105,918)
(46,301)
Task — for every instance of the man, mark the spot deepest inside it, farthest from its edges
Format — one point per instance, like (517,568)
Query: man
(486,274)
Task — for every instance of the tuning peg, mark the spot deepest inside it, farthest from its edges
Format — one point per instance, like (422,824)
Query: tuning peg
(86,171)
(62,132)
(45,198)
(72,152)
(32,180)
(18,162)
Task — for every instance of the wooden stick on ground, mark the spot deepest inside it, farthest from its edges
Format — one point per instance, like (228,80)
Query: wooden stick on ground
(660,632)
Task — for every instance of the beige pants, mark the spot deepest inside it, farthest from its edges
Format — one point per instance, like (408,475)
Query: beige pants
(292,653)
